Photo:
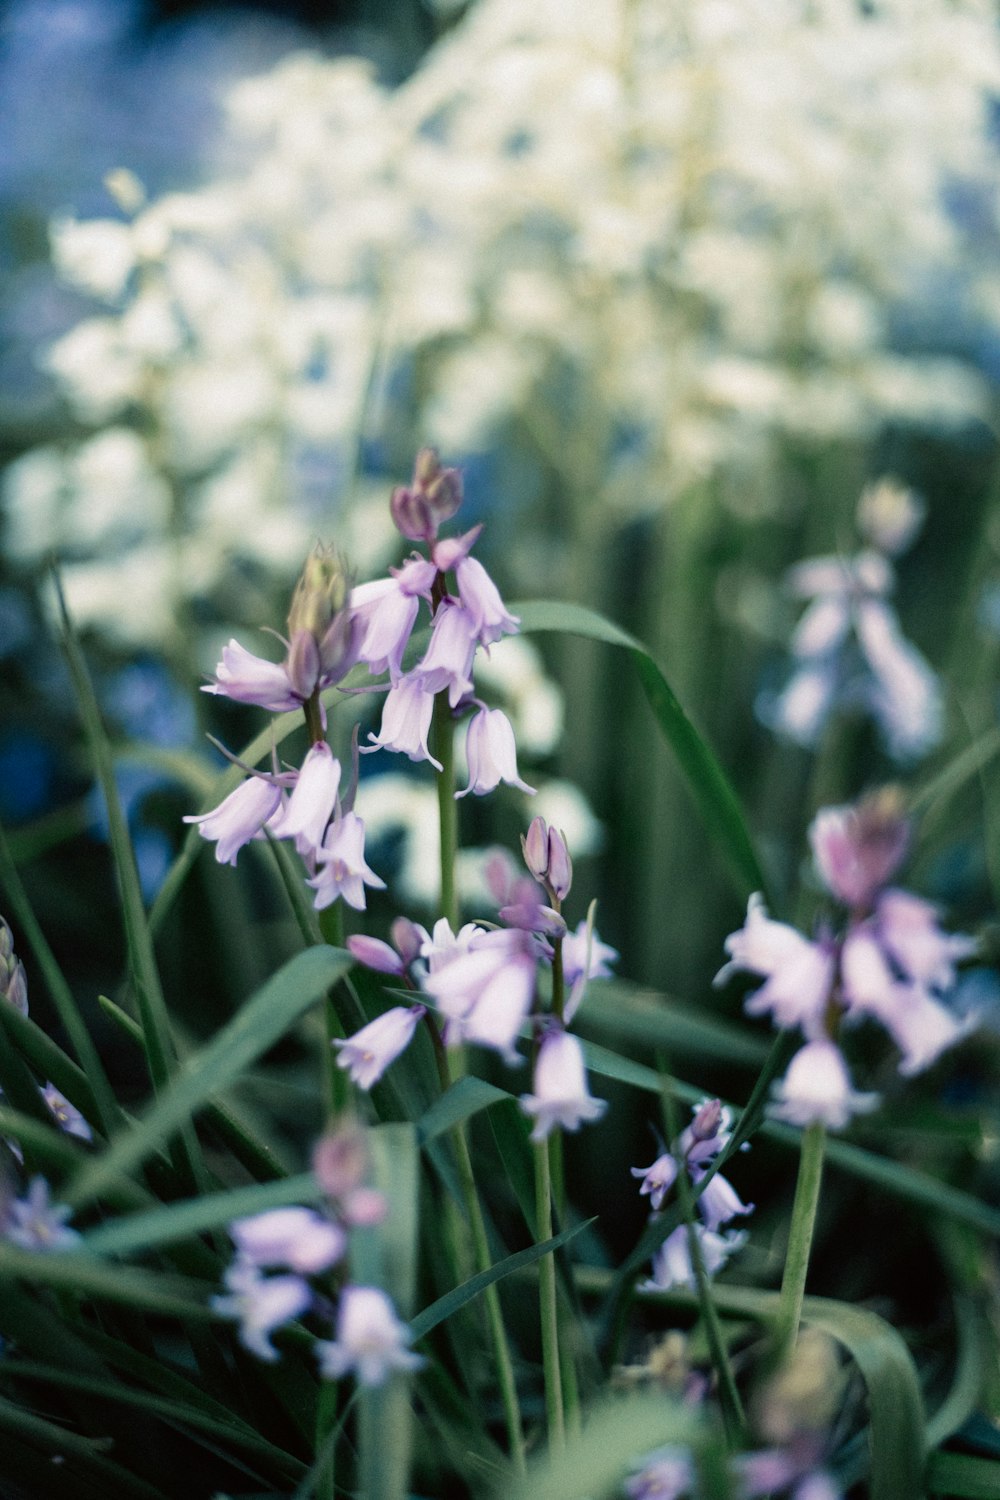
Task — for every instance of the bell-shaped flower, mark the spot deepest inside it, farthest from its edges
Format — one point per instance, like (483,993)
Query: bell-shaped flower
(672,1262)
(858,849)
(561,1095)
(238,817)
(314,796)
(261,1304)
(491,753)
(371,1341)
(299,1238)
(368,1053)
(668,1474)
(480,596)
(904,692)
(66,1115)
(251,679)
(342,868)
(817,1089)
(388,611)
(718,1201)
(908,930)
(920,1025)
(447,665)
(485,993)
(406,720)
(658,1179)
(574,954)
(799,974)
(708,1133)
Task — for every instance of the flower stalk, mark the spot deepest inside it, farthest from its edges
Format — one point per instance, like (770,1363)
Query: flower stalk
(548,1299)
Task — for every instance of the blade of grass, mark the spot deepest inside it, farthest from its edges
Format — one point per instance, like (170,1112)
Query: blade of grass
(711,789)
(265,1017)
(72,1271)
(143,970)
(105,1112)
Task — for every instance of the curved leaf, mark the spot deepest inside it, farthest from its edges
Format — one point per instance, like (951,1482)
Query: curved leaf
(713,793)
(265,1017)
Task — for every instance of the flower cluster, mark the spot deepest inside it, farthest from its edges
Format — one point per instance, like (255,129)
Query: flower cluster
(718,1202)
(848,647)
(333,628)
(891,962)
(684,246)
(301,1243)
(482,984)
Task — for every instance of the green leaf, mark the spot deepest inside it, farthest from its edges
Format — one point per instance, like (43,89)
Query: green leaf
(654,1020)
(462,1100)
(144,973)
(614,1440)
(104,1110)
(179,1221)
(265,1017)
(962,1476)
(50,1062)
(132,1286)
(711,789)
(450,1303)
(386,1256)
(225,1429)
(85,1458)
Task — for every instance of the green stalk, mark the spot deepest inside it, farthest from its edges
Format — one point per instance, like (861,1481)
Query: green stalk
(554,1412)
(444,747)
(331,925)
(800,1238)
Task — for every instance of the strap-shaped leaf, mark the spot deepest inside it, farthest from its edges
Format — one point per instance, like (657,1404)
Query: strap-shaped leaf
(265,1017)
(712,790)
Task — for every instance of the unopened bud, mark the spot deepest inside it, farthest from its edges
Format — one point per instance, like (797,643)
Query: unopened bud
(13,980)
(707,1121)
(340,1160)
(560,872)
(302,663)
(535,844)
(321,593)
(126,189)
(859,849)
(411,514)
(407,939)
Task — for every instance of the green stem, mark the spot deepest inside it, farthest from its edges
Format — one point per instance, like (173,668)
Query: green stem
(548,1300)
(337,1088)
(800,1238)
(444,747)
(491,1297)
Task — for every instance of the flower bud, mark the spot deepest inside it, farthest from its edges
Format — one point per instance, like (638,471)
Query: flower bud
(13,980)
(858,849)
(340,1160)
(560,871)
(708,1121)
(411,514)
(302,663)
(407,938)
(321,593)
(535,844)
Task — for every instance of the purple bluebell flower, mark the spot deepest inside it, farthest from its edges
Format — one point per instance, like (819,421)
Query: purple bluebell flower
(387,610)
(447,664)
(371,1341)
(479,594)
(368,1053)
(66,1115)
(251,679)
(561,1095)
(261,1304)
(299,1238)
(13,980)
(799,974)
(374,954)
(817,1088)
(342,868)
(575,965)
(858,849)
(238,817)
(406,720)
(668,1474)
(672,1262)
(485,993)
(314,796)
(658,1179)
(492,754)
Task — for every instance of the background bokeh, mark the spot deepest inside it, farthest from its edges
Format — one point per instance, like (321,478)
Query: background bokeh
(671,283)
